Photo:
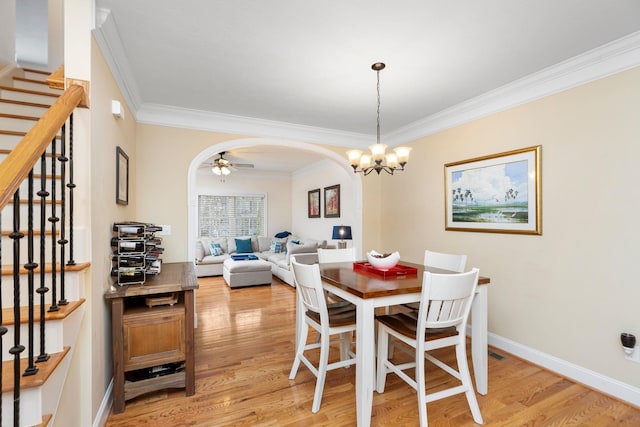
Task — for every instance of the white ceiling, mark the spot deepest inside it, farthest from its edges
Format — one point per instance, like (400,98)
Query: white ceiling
(302,68)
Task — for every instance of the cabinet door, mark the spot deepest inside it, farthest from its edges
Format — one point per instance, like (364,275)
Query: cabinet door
(153,337)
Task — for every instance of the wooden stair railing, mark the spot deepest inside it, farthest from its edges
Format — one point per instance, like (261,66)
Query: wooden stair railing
(16,169)
(16,166)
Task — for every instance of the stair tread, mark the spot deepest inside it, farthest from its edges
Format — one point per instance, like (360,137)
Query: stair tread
(7,270)
(26,103)
(36,71)
(24,79)
(29,91)
(19,117)
(45,369)
(63,313)
(17,133)
(35,232)
(45,420)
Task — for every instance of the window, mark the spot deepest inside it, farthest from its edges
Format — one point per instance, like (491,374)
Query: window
(228,216)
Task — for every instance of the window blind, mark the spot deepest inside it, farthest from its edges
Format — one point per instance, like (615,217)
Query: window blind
(228,216)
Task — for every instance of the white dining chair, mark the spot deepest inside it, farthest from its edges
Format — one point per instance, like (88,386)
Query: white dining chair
(452,262)
(331,320)
(445,304)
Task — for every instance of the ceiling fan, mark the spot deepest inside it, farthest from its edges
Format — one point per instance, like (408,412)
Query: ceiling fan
(222,166)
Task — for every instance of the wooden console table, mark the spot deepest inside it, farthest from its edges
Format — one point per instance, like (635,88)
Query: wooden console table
(147,339)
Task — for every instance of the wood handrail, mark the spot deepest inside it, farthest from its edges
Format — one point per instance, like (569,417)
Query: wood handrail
(16,166)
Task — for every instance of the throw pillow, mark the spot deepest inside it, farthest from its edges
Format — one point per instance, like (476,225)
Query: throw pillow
(282,234)
(276,247)
(216,249)
(243,246)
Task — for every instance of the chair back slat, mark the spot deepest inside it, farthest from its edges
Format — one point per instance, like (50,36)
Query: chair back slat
(445,261)
(446,299)
(309,287)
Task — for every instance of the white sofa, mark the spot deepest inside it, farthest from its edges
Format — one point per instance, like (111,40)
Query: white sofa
(303,248)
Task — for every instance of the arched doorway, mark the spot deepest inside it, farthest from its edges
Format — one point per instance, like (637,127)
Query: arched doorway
(354,180)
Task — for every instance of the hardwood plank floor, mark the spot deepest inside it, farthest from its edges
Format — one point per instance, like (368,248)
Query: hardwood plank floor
(244,351)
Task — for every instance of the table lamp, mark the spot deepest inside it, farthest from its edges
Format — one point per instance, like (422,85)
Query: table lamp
(341,233)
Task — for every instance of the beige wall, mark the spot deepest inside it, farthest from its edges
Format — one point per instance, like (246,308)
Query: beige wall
(277,188)
(568,293)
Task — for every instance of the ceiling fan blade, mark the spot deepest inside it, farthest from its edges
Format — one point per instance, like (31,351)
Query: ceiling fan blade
(242,165)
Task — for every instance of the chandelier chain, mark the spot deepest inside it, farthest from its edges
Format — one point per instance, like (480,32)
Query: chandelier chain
(378,115)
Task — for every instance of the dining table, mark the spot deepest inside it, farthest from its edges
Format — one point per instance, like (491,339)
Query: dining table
(370,290)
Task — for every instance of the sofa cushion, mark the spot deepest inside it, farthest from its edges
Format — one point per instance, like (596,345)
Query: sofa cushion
(276,247)
(306,248)
(212,259)
(216,249)
(264,243)
(243,246)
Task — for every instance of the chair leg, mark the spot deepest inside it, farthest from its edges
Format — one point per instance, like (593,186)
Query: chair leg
(421,388)
(301,344)
(383,347)
(345,345)
(322,372)
(465,376)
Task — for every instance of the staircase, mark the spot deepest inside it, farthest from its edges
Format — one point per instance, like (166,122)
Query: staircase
(41,286)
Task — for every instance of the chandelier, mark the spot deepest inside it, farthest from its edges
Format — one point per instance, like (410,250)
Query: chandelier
(221,166)
(379,160)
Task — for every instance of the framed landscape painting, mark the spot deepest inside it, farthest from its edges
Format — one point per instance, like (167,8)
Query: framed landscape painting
(332,201)
(499,193)
(313,203)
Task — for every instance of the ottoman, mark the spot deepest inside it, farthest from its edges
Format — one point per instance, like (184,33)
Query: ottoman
(246,272)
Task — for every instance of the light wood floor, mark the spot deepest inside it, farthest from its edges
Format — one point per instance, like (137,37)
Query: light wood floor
(244,350)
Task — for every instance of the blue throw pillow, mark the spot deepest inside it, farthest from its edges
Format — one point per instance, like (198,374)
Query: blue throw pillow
(243,246)
(216,249)
(276,247)
(282,235)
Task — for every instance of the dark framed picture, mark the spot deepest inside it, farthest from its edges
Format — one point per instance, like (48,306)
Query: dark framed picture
(332,201)
(122,177)
(498,193)
(313,203)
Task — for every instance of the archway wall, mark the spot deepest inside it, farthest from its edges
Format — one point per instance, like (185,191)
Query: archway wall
(167,161)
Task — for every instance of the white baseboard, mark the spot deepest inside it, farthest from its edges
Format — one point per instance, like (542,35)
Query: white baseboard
(105,407)
(606,385)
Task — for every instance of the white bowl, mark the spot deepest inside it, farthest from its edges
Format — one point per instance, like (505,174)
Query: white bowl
(385,263)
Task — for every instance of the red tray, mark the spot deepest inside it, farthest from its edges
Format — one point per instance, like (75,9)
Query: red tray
(395,272)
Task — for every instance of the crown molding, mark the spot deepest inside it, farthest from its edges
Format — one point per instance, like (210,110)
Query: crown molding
(611,58)
(108,39)
(606,60)
(204,120)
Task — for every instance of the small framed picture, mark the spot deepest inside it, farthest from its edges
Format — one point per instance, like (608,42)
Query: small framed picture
(498,193)
(122,177)
(332,201)
(313,203)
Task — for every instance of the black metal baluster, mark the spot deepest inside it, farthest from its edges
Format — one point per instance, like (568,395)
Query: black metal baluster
(71,185)
(30,266)
(42,290)
(53,219)
(17,348)
(63,214)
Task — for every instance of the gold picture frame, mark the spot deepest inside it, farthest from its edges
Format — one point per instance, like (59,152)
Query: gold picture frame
(498,193)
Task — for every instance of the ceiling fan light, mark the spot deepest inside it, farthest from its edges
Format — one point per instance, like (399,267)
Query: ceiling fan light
(216,170)
(226,171)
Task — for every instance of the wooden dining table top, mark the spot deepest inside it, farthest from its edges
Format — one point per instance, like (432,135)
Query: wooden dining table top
(371,285)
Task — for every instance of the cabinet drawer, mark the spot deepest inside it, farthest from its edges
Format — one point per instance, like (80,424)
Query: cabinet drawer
(153,337)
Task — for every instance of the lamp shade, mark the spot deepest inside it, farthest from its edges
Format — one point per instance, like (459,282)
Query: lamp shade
(341,232)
